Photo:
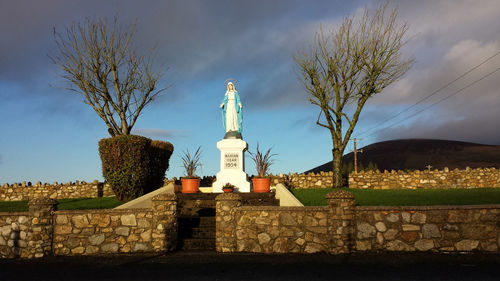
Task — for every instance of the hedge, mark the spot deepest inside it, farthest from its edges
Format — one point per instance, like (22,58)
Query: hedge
(134,165)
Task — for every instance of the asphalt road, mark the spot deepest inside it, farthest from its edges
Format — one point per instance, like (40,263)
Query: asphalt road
(213,266)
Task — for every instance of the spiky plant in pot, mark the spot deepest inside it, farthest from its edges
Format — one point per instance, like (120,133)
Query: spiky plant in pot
(262,182)
(191,182)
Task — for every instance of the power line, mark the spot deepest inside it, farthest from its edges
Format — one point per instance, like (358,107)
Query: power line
(431,94)
(445,98)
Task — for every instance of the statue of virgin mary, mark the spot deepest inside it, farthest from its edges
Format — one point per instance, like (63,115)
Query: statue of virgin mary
(232,113)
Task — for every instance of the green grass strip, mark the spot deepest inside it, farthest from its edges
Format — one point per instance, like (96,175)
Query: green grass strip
(88,203)
(405,197)
(14,206)
(66,204)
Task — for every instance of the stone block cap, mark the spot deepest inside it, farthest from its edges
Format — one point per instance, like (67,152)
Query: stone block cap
(340,194)
(42,201)
(228,197)
(165,197)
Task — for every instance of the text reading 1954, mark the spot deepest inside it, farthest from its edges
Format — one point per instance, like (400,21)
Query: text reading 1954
(231,160)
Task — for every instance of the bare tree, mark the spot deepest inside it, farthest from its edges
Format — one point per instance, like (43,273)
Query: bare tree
(98,60)
(347,66)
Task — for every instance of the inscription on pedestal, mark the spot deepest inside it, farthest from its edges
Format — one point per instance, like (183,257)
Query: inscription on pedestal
(232,166)
(231,160)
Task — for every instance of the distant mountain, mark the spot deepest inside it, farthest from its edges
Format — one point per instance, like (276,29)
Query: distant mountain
(415,154)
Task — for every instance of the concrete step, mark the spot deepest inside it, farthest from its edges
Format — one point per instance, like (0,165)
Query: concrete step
(197,233)
(196,222)
(197,244)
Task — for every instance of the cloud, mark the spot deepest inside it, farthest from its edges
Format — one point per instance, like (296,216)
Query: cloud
(253,41)
(199,40)
(478,128)
(449,38)
(158,133)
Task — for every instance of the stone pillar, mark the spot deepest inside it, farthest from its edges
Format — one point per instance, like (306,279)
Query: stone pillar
(164,234)
(225,221)
(341,221)
(42,228)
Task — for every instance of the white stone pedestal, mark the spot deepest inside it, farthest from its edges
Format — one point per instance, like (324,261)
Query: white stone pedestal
(232,165)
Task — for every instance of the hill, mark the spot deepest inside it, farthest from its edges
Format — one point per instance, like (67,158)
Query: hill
(415,154)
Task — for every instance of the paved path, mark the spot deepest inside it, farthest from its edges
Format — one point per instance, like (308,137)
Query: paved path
(211,266)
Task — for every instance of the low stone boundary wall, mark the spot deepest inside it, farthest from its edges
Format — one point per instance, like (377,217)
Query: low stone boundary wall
(27,191)
(436,228)
(468,178)
(309,180)
(286,230)
(343,227)
(446,178)
(102,231)
(340,227)
(43,231)
(265,229)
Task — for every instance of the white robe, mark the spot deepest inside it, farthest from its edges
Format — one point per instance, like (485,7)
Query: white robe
(231,114)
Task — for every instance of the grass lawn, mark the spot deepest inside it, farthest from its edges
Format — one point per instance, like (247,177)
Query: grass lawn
(405,197)
(66,204)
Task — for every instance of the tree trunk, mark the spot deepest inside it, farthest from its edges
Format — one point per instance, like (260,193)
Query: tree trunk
(124,125)
(337,167)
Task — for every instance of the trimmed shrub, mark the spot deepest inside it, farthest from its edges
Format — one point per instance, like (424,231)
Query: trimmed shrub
(159,156)
(125,164)
(134,165)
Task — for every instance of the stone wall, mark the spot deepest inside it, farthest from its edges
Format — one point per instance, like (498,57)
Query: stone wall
(282,230)
(343,228)
(446,178)
(27,191)
(468,178)
(102,231)
(437,228)
(340,227)
(43,231)
(270,229)
(309,180)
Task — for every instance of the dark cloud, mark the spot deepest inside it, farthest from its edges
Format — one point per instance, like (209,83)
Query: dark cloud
(27,38)
(200,40)
(444,48)
(253,41)
(478,129)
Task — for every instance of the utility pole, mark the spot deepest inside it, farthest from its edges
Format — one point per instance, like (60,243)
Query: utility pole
(428,167)
(356,156)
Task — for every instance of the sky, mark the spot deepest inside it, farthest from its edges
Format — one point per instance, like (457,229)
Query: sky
(48,134)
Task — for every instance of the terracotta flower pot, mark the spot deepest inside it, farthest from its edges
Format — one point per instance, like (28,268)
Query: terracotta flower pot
(227,190)
(261,185)
(190,185)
